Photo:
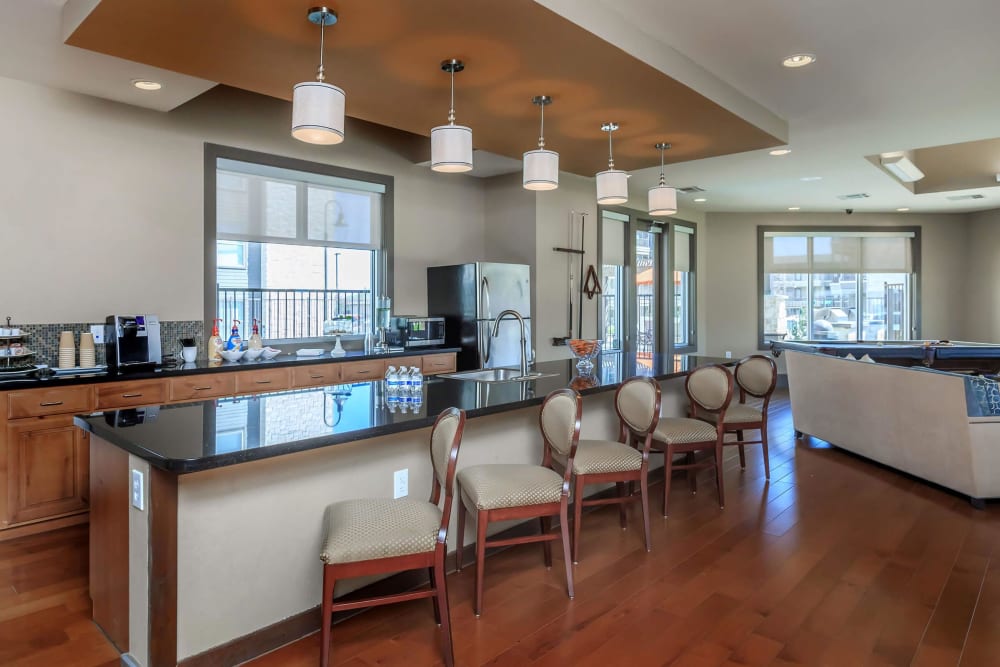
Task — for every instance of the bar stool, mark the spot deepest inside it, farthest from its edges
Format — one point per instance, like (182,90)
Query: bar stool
(709,390)
(756,376)
(501,492)
(378,536)
(637,402)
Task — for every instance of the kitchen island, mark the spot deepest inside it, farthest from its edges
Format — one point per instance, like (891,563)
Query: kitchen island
(222,550)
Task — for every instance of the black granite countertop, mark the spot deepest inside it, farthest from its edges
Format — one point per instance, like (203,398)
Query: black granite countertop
(211,434)
(204,366)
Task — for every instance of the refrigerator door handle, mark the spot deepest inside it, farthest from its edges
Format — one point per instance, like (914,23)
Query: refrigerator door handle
(484,300)
(485,341)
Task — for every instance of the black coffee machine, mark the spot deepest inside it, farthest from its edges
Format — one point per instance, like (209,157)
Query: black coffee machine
(132,342)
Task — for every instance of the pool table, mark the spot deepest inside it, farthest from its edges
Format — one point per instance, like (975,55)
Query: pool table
(958,356)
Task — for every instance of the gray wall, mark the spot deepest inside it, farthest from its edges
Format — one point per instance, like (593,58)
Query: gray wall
(983,277)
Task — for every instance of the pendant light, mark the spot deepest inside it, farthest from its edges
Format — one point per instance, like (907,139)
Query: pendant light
(451,145)
(317,106)
(612,185)
(662,197)
(541,167)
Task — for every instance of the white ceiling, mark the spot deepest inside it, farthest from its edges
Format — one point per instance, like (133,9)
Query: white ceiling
(891,75)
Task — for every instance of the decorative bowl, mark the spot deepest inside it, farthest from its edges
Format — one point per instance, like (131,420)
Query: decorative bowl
(270,352)
(252,354)
(232,355)
(585,350)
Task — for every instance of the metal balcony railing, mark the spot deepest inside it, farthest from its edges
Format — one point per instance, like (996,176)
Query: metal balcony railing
(294,313)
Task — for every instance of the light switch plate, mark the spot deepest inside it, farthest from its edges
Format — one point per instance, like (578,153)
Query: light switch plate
(138,490)
(98,331)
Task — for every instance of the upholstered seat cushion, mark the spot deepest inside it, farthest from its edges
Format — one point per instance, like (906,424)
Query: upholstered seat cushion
(680,430)
(595,457)
(371,528)
(500,485)
(737,413)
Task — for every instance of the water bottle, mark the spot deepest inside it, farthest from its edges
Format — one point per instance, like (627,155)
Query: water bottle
(416,381)
(405,381)
(391,380)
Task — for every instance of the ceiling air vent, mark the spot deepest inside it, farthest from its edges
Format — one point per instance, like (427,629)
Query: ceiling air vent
(690,190)
(856,195)
(965,197)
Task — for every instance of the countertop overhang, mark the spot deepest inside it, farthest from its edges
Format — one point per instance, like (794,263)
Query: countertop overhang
(205,435)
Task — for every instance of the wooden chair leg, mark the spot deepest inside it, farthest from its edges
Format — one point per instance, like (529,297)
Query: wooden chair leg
(441,602)
(460,545)
(481,524)
(577,517)
(763,444)
(668,469)
(718,475)
(743,456)
(546,526)
(622,514)
(437,608)
(644,501)
(692,473)
(564,527)
(327,611)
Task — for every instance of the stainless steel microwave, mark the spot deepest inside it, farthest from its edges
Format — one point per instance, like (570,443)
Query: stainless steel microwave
(410,331)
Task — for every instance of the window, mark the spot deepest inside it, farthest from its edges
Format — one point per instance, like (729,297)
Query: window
(683,293)
(300,247)
(845,284)
(614,228)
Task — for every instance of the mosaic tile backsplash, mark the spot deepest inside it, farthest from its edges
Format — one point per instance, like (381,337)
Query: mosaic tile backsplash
(43,339)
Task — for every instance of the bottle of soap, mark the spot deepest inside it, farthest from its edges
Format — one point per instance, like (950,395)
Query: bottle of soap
(215,342)
(234,342)
(255,343)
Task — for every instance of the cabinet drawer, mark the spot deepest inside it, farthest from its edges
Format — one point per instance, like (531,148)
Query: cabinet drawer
(41,402)
(209,385)
(316,375)
(129,394)
(359,371)
(439,363)
(405,361)
(274,379)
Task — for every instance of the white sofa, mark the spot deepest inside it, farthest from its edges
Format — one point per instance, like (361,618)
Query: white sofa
(912,419)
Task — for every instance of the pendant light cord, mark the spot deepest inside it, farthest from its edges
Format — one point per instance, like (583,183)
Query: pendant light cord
(611,158)
(320,75)
(451,111)
(541,131)
(663,180)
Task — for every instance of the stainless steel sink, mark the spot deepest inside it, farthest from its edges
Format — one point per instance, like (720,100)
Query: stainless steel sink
(496,375)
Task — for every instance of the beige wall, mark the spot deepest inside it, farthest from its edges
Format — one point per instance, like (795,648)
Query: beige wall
(730,278)
(983,277)
(111,197)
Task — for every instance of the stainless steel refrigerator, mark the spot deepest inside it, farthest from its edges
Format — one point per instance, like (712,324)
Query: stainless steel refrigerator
(470,296)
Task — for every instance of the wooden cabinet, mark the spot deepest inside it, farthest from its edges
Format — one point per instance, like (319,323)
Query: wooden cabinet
(316,375)
(45,463)
(197,387)
(406,362)
(272,379)
(42,402)
(361,371)
(439,363)
(130,394)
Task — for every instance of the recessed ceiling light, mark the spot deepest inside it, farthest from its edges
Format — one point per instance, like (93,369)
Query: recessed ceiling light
(701,199)
(146,84)
(903,210)
(794,208)
(809,179)
(780,151)
(799,60)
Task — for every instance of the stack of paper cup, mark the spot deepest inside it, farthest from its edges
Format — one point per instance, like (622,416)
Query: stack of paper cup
(88,358)
(67,350)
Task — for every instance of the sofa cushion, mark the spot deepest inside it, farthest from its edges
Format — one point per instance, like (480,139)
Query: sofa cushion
(982,396)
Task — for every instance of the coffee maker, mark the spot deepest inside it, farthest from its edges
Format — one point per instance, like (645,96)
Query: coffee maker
(133,342)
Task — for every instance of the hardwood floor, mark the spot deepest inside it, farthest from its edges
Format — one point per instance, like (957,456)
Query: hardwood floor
(836,561)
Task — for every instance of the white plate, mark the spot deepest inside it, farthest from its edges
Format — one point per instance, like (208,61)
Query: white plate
(309,352)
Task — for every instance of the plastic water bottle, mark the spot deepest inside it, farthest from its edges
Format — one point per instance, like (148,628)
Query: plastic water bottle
(405,381)
(391,380)
(416,381)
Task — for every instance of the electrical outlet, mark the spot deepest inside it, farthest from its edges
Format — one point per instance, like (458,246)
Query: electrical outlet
(98,331)
(729,354)
(138,491)
(401,483)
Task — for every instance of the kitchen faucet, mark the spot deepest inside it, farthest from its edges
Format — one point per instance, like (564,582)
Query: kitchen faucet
(524,340)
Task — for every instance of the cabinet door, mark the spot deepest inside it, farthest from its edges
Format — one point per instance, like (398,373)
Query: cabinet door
(47,469)
(439,363)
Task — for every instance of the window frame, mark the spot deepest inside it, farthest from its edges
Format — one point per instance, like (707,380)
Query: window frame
(915,280)
(215,152)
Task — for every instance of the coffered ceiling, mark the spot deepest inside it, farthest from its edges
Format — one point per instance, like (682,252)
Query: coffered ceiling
(386,55)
